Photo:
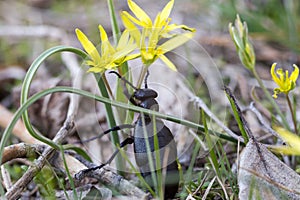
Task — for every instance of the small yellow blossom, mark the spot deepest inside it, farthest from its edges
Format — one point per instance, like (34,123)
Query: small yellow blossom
(285,82)
(292,141)
(111,57)
(148,38)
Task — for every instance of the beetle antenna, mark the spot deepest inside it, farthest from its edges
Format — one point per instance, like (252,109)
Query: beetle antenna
(123,79)
(146,78)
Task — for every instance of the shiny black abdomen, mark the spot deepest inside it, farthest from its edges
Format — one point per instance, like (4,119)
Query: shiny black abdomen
(167,147)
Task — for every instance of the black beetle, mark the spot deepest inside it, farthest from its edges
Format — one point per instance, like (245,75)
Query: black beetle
(145,98)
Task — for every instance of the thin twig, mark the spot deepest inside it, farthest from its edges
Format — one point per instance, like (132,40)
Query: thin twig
(5,177)
(21,150)
(198,101)
(262,121)
(112,179)
(208,188)
(15,191)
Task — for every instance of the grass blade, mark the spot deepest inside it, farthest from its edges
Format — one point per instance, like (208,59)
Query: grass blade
(237,113)
(27,82)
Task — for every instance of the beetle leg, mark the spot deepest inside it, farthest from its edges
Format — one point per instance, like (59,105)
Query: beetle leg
(146,78)
(116,128)
(84,172)
(125,90)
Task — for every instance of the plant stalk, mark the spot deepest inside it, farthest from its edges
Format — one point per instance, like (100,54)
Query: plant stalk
(142,76)
(270,98)
(292,113)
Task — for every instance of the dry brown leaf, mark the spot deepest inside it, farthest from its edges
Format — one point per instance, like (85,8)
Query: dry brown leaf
(263,176)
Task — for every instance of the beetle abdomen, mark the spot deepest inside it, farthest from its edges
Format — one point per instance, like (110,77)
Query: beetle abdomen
(167,151)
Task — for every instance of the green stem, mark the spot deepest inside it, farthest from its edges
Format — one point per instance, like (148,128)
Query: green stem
(114,21)
(142,76)
(210,145)
(75,196)
(149,153)
(27,82)
(292,113)
(271,100)
(110,119)
(107,86)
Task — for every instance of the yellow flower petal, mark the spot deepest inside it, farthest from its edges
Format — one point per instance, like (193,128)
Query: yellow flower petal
(290,138)
(124,52)
(111,65)
(124,39)
(87,45)
(132,56)
(154,37)
(175,42)
(103,34)
(168,62)
(295,73)
(134,20)
(285,82)
(286,150)
(106,47)
(132,29)
(158,23)
(139,13)
(171,27)
(167,10)
(273,74)
(96,70)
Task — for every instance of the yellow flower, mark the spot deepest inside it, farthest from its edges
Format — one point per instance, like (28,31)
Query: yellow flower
(292,141)
(148,38)
(285,82)
(110,57)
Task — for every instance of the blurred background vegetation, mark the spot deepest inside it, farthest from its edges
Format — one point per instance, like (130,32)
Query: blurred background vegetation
(273,21)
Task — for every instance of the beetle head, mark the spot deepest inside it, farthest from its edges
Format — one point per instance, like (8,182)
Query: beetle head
(145,98)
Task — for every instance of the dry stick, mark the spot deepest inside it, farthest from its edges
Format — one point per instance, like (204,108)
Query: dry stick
(112,179)
(21,150)
(208,188)
(15,191)
(266,127)
(6,177)
(198,101)
(117,181)
(262,121)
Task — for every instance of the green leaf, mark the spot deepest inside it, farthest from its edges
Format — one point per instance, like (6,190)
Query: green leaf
(237,113)
(27,82)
